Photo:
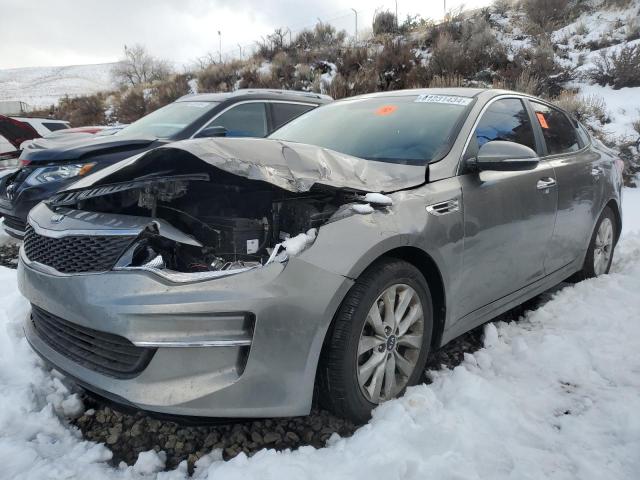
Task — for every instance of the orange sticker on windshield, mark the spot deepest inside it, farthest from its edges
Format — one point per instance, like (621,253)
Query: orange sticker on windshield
(386,110)
(542,120)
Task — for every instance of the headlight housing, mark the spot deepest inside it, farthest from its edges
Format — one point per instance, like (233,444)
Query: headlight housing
(58,172)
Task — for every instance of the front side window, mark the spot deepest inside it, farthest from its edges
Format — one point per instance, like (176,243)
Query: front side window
(559,134)
(244,120)
(411,129)
(169,120)
(506,120)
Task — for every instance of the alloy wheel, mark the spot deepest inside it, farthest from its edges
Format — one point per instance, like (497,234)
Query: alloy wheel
(390,343)
(603,247)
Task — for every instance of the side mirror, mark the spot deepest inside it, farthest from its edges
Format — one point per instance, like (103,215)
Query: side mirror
(504,156)
(216,131)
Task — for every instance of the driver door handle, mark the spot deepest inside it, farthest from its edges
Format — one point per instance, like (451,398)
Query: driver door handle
(546,182)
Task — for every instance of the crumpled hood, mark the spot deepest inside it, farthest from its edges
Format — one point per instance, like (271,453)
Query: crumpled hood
(77,146)
(295,167)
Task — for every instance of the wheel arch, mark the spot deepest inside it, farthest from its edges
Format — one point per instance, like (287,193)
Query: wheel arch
(432,274)
(615,208)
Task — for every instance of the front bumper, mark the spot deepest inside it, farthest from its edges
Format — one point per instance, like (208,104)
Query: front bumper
(15,209)
(292,306)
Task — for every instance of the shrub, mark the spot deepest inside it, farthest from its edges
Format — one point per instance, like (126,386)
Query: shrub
(130,105)
(447,57)
(587,109)
(636,126)
(546,13)
(620,69)
(582,28)
(169,91)
(501,7)
(83,110)
(393,64)
(384,22)
(632,29)
(447,81)
(283,70)
(221,77)
(519,80)
(353,60)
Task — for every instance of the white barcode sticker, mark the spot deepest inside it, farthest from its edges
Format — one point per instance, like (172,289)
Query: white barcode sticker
(252,246)
(448,99)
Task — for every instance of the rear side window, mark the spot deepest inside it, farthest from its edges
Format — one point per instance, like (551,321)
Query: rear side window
(244,120)
(55,126)
(506,120)
(285,112)
(559,134)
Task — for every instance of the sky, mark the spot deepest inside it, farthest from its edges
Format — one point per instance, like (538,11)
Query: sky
(77,32)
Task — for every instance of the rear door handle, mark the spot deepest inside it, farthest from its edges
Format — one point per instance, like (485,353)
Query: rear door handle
(546,182)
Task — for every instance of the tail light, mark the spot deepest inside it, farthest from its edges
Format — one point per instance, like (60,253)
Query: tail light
(24,163)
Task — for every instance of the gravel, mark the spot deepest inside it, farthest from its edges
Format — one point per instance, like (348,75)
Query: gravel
(128,432)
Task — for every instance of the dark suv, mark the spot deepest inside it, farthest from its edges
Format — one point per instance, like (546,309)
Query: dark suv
(47,165)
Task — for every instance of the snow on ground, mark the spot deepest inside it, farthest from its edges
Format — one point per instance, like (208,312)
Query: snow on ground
(555,395)
(623,106)
(43,86)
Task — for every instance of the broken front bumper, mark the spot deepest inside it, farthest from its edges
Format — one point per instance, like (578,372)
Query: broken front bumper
(242,346)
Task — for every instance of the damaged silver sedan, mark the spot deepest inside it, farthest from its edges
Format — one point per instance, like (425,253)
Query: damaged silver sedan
(233,277)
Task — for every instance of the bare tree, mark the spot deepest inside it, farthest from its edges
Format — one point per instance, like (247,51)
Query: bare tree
(138,67)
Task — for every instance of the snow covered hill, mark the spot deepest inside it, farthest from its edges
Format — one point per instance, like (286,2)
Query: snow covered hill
(41,87)
(554,395)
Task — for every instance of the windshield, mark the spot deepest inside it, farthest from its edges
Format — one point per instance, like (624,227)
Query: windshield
(168,120)
(412,130)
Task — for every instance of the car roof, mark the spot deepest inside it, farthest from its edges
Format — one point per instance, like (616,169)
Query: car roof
(260,93)
(455,91)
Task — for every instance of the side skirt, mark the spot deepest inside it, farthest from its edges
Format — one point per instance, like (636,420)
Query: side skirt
(504,304)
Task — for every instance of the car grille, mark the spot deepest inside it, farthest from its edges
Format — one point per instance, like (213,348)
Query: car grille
(102,352)
(14,223)
(75,254)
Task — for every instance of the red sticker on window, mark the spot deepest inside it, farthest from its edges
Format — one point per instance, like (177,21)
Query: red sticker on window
(386,110)
(542,120)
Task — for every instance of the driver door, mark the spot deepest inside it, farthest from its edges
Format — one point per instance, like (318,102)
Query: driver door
(508,216)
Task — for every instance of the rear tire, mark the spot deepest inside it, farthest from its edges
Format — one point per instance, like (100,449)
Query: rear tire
(371,357)
(601,247)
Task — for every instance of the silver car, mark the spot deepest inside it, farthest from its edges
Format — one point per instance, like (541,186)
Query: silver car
(232,277)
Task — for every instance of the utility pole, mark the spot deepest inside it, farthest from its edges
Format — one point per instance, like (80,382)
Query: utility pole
(220,46)
(397,24)
(356,31)
(240,47)
(445,9)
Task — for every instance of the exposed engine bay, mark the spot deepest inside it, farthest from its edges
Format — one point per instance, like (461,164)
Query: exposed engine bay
(220,222)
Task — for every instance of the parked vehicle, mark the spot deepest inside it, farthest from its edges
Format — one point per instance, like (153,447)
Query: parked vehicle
(231,277)
(51,164)
(13,134)
(44,126)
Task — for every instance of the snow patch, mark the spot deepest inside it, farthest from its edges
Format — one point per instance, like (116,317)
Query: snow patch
(378,199)
(295,245)
(362,208)
(150,462)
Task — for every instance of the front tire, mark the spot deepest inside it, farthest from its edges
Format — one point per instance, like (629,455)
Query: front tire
(600,251)
(379,341)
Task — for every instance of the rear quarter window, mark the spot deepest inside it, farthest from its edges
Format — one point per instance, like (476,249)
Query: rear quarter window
(285,112)
(54,126)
